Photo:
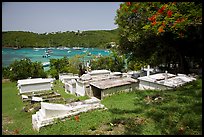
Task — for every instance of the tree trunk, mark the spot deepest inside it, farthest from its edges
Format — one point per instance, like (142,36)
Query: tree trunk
(183,66)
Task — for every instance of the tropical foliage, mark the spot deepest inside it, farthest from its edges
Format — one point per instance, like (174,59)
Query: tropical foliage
(161,32)
(23,69)
(65,65)
(114,62)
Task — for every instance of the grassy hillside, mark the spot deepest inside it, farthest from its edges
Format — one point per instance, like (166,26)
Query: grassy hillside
(178,112)
(98,38)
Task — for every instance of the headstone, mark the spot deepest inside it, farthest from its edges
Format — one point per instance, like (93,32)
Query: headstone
(148,69)
(37,99)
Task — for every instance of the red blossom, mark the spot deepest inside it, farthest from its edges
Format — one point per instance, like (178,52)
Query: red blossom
(153,18)
(182,19)
(134,10)
(154,23)
(128,3)
(169,13)
(161,9)
(161,29)
(179,20)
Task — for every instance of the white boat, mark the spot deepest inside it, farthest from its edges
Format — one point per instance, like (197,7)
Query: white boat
(77,48)
(48,51)
(68,51)
(66,48)
(60,48)
(36,49)
(45,64)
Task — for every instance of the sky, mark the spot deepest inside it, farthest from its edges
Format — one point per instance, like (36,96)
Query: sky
(41,17)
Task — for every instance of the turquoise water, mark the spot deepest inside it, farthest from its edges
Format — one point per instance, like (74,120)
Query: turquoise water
(9,54)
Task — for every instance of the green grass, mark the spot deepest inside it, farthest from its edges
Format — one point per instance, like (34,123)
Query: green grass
(58,87)
(180,112)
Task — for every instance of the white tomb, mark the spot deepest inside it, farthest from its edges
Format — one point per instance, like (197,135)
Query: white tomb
(70,86)
(102,72)
(101,89)
(49,111)
(65,77)
(34,85)
(83,86)
(163,81)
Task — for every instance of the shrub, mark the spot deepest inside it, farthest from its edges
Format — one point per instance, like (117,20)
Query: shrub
(24,69)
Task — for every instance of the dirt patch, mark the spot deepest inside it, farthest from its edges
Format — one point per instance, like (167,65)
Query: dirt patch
(5,80)
(6,121)
(108,129)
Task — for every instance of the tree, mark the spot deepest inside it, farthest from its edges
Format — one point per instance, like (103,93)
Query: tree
(114,62)
(65,65)
(157,32)
(58,66)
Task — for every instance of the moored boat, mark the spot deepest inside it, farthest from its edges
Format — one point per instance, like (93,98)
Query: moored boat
(77,48)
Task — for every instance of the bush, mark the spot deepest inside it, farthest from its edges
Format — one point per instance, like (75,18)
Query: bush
(65,65)
(113,62)
(24,69)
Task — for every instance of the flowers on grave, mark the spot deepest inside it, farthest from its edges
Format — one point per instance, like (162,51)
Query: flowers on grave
(76,118)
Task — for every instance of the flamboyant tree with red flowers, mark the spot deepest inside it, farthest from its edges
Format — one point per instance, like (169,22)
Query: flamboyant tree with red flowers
(157,32)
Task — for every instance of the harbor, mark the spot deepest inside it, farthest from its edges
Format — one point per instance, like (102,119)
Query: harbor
(45,54)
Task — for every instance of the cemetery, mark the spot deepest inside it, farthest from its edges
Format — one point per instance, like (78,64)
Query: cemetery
(47,105)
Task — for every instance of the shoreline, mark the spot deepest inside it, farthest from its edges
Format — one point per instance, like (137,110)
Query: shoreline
(52,47)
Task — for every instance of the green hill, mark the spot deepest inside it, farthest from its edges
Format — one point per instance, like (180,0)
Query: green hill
(96,38)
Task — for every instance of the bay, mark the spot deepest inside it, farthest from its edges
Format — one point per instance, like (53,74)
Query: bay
(36,54)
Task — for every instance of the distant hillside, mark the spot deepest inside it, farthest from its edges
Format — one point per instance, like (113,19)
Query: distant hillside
(96,38)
